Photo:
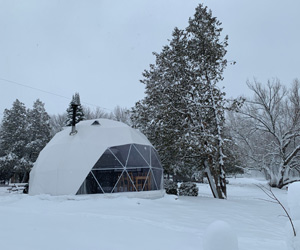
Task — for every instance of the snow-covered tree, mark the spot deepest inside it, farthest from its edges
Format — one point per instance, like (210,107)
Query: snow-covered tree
(38,130)
(234,163)
(57,122)
(14,138)
(271,138)
(121,114)
(79,111)
(95,113)
(183,111)
(6,172)
(23,135)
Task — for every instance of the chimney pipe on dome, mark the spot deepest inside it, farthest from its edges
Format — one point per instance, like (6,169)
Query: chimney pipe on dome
(74,107)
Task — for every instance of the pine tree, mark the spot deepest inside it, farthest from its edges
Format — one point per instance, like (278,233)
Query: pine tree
(24,133)
(14,138)
(38,130)
(5,171)
(79,112)
(183,111)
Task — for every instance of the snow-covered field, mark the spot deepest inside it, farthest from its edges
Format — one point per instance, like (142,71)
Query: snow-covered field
(97,222)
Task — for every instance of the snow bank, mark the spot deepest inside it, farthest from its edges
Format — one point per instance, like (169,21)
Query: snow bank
(93,222)
(293,242)
(294,200)
(247,181)
(220,235)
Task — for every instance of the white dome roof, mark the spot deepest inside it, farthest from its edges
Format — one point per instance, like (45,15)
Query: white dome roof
(64,163)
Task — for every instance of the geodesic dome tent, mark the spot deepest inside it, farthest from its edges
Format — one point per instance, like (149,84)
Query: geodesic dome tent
(104,156)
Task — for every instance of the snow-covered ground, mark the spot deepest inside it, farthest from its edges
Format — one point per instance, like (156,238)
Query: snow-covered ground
(97,222)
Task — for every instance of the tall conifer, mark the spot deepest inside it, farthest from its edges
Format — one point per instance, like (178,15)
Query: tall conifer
(183,111)
(79,112)
(14,138)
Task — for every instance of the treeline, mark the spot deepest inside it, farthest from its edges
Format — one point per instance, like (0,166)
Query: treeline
(185,115)
(25,132)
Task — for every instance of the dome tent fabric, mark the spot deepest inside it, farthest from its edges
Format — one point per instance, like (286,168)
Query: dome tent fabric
(105,156)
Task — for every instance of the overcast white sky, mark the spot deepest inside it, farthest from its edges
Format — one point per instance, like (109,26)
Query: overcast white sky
(100,48)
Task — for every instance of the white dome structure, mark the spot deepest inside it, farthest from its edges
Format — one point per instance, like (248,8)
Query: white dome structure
(104,156)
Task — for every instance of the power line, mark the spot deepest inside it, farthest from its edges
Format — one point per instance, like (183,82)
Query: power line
(47,92)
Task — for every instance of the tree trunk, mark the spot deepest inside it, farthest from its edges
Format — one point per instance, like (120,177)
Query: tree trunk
(25,178)
(223,188)
(211,181)
(220,182)
(216,179)
(283,174)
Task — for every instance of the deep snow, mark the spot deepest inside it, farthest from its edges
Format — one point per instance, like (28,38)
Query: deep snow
(98,222)
(220,235)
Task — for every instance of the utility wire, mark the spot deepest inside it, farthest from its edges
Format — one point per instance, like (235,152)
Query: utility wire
(47,92)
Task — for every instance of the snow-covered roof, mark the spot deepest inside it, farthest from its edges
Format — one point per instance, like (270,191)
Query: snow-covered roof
(66,160)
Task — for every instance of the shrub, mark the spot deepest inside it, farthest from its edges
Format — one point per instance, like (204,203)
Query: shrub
(188,189)
(170,187)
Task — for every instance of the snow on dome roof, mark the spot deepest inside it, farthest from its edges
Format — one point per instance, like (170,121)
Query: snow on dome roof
(67,159)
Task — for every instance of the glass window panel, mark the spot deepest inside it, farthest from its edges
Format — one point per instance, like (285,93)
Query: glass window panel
(158,176)
(144,151)
(107,178)
(124,184)
(135,159)
(155,161)
(121,152)
(138,176)
(149,184)
(107,160)
(90,186)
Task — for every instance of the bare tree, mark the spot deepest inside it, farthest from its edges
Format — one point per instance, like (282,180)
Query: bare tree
(96,113)
(122,115)
(57,122)
(274,118)
(274,199)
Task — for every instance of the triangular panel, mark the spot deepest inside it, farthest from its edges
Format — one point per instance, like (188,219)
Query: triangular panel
(90,186)
(144,150)
(158,177)
(129,181)
(149,183)
(155,162)
(108,161)
(107,178)
(139,177)
(124,184)
(135,159)
(121,152)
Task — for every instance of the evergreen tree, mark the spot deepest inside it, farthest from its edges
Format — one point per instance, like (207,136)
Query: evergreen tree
(183,111)
(14,131)
(24,133)
(79,112)
(38,130)
(5,172)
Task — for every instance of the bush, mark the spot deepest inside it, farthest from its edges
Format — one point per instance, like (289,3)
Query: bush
(188,189)
(170,187)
